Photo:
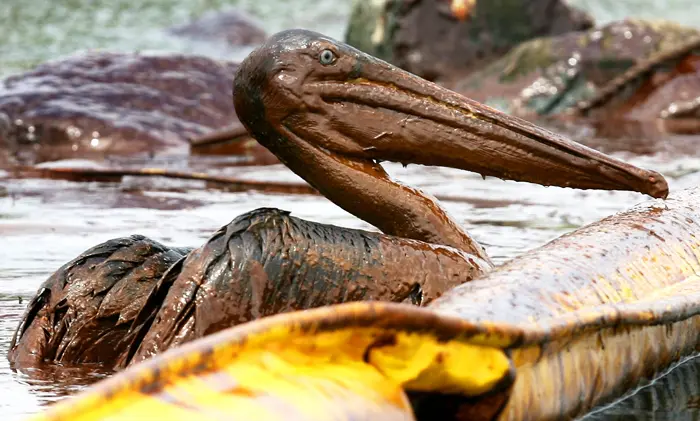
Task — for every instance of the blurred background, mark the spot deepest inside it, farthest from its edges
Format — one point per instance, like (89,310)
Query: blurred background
(34,31)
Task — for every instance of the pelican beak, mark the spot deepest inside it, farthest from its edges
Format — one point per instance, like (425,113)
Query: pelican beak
(384,113)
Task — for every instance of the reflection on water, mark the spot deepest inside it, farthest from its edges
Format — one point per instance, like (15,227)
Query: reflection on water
(674,397)
(44,223)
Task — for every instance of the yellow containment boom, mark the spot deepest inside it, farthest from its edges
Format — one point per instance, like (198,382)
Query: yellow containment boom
(351,361)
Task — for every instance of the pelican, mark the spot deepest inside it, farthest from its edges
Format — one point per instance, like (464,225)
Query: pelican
(528,340)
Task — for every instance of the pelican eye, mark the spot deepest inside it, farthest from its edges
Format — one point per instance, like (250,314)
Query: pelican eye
(327,57)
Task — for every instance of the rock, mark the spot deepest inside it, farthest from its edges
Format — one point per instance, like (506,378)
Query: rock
(103,103)
(425,38)
(553,75)
(232,26)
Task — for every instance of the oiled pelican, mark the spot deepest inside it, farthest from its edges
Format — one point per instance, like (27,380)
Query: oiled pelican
(330,112)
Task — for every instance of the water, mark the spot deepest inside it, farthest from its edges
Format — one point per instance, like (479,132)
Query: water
(44,223)
(682,11)
(56,29)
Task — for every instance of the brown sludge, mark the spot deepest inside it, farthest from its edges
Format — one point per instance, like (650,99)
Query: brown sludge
(231,140)
(117,174)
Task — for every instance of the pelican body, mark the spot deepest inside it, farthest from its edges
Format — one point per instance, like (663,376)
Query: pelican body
(493,344)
